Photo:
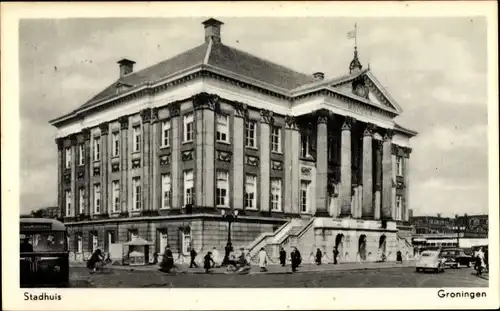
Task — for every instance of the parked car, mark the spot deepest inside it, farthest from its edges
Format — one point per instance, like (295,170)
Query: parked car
(456,258)
(430,260)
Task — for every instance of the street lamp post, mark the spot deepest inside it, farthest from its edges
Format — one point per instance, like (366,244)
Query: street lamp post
(230,218)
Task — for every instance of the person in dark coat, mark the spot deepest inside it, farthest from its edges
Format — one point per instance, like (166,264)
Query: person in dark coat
(208,262)
(193,255)
(399,257)
(168,260)
(296,259)
(155,258)
(319,255)
(26,246)
(335,255)
(228,249)
(95,261)
(282,257)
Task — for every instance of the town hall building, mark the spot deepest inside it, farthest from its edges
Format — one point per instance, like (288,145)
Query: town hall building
(216,139)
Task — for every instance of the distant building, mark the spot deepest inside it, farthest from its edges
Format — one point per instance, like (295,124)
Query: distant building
(46,212)
(432,224)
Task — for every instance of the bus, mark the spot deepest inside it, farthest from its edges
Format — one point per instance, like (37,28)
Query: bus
(44,255)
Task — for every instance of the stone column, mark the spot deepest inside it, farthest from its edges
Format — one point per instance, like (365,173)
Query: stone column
(266,120)
(146,159)
(386,212)
(368,211)
(73,175)
(60,211)
(175,110)
(378,178)
(394,152)
(407,183)
(124,124)
(153,169)
(104,127)
(345,169)
(88,170)
(292,177)
(204,104)
(240,112)
(322,164)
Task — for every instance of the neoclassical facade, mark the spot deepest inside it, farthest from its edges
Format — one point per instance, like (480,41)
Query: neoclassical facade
(306,161)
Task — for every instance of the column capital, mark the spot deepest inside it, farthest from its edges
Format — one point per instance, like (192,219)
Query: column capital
(73,140)
(104,127)
(205,101)
(146,115)
(86,133)
(407,151)
(369,128)
(240,109)
(348,122)
(124,122)
(266,116)
(175,110)
(323,115)
(59,143)
(290,122)
(394,149)
(154,115)
(388,135)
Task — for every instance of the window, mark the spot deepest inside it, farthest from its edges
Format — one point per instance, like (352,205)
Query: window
(137,193)
(250,191)
(276,140)
(186,242)
(115,142)
(188,187)
(133,234)
(165,133)
(399,166)
(95,242)
(68,157)
(81,200)
(97,199)
(221,192)
(399,207)
(81,154)
(115,194)
(79,243)
(250,134)
(137,138)
(163,238)
(222,128)
(97,148)
(68,203)
(304,191)
(304,146)
(276,194)
(110,239)
(166,190)
(188,127)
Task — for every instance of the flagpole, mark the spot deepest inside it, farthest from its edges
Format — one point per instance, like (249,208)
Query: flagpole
(355,35)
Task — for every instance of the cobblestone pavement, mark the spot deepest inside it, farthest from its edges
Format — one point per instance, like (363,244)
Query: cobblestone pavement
(309,276)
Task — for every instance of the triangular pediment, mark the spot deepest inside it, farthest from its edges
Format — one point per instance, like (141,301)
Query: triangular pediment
(376,92)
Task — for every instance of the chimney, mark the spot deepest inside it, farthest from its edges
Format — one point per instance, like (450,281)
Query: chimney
(318,76)
(126,66)
(212,30)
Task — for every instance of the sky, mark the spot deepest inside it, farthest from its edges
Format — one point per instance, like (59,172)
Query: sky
(435,68)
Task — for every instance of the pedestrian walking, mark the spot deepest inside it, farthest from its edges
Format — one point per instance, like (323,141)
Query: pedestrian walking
(295,258)
(263,260)
(335,254)
(282,256)
(155,258)
(193,255)
(399,257)
(319,255)
(208,262)
(168,260)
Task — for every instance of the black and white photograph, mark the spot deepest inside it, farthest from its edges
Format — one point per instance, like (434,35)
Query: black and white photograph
(219,151)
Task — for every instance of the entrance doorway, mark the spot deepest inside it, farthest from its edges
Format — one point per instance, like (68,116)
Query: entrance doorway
(339,245)
(382,247)
(362,247)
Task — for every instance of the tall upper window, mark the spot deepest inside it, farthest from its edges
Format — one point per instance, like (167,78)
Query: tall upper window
(276,194)
(137,138)
(222,128)
(250,191)
(166,190)
(165,133)
(222,190)
(115,192)
(276,139)
(399,207)
(81,200)
(304,196)
(188,187)
(97,148)
(304,145)
(188,123)
(116,144)
(136,193)
(68,157)
(68,203)
(399,165)
(97,198)
(251,134)
(81,154)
